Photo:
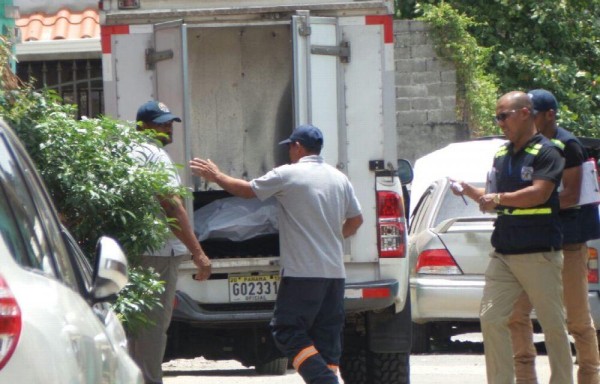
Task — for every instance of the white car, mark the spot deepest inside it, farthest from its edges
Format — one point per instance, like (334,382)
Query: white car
(55,325)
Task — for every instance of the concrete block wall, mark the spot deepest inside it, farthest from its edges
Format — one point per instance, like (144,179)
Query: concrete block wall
(425,93)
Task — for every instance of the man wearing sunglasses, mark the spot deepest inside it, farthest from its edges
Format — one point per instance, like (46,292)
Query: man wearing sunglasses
(580,224)
(527,241)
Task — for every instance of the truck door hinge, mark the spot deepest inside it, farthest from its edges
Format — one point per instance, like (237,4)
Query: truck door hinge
(152,57)
(304,25)
(343,51)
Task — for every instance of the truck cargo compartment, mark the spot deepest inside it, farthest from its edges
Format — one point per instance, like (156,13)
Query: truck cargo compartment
(240,228)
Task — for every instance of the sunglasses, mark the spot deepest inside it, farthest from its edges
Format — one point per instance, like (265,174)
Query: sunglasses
(504,115)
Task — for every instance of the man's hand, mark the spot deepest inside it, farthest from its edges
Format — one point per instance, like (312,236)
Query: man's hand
(487,203)
(204,168)
(204,266)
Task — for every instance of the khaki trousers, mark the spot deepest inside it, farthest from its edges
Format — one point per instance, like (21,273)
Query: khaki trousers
(506,278)
(579,323)
(147,346)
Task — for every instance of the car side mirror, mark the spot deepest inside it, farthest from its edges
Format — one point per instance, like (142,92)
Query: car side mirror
(110,271)
(405,171)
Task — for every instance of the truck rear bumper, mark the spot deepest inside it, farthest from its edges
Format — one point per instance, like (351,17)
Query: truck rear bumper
(358,297)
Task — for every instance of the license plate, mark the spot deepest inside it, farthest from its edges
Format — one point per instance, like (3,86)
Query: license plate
(247,288)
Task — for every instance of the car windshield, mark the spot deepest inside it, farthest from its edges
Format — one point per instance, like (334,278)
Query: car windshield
(452,206)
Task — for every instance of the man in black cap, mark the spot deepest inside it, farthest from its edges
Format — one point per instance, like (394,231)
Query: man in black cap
(580,224)
(317,210)
(147,346)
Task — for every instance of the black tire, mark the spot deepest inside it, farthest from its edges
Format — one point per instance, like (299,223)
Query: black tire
(420,338)
(363,367)
(275,367)
(389,368)
(353,366)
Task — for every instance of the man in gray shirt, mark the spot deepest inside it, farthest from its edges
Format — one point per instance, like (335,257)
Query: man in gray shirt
(317,209)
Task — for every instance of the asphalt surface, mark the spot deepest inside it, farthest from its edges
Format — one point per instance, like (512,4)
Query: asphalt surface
(458,362)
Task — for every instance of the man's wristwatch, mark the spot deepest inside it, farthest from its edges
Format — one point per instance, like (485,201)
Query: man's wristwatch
(496,199)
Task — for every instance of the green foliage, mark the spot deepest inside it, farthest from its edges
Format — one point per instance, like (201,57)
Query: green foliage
(551,44)
(138,296)
(96,186)
(477,89)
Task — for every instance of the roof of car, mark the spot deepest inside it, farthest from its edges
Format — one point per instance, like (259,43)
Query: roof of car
(468,161)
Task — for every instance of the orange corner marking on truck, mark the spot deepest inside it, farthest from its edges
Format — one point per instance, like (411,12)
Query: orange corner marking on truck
(107,31)
(388,26)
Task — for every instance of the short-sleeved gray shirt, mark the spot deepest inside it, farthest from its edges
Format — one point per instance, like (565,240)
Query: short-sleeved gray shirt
(146,153)
(314,200)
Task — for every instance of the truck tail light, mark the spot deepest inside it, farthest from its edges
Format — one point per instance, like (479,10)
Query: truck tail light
(592,266)
(391,225)
(10,323)
(437,262)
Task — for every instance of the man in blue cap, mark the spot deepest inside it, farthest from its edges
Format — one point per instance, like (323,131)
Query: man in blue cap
(317,210)
(580,224)
(147,346)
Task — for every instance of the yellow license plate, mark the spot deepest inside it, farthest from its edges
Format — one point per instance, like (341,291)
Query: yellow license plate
(253,288)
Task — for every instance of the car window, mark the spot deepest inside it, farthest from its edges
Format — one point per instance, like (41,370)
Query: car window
(452,206)
(33,216)
(79,258)
(420,212)
(20,219)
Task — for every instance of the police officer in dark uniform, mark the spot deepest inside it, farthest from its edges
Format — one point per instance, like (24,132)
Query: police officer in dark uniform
(527,241)
(580,224)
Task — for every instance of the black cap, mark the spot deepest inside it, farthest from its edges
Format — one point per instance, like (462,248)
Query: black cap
(155,112)
(307,135)
(543,100)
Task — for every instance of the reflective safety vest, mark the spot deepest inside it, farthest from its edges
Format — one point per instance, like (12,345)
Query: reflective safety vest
(524,230)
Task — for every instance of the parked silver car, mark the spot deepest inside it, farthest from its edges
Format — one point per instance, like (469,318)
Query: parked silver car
(449,246)
(55,325)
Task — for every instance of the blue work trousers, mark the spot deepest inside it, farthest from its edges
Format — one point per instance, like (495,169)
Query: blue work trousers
(307,326)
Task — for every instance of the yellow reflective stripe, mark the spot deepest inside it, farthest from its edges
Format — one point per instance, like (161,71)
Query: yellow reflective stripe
(501,152)
(526,211)
(532,150)
(558,143)
(303,355)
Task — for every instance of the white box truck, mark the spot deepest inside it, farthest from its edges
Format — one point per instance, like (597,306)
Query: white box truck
(242,74)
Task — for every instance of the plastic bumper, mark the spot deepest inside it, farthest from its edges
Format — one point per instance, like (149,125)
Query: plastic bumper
(358,297)
(441,299)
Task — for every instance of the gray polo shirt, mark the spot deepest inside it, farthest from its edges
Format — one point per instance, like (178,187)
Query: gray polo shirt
(314,199)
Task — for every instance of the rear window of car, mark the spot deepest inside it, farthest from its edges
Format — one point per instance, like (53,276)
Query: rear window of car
(452,206)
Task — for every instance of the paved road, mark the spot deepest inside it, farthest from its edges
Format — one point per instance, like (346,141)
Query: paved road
(459,363)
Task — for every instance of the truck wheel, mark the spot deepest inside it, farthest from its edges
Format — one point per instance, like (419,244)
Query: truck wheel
(389,368)
(362,367)
(420,338)
(353,366)
(275,367)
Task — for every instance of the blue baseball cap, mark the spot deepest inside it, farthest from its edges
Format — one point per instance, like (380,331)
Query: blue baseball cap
(543,100)
(155,112)
(307,135)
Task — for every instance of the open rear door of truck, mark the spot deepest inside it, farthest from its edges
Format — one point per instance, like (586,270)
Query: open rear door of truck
(168,58)
(317,72)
